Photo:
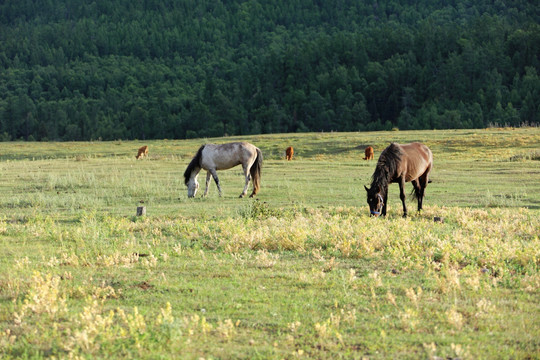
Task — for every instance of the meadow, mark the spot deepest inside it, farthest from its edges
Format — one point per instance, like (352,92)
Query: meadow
(300,272)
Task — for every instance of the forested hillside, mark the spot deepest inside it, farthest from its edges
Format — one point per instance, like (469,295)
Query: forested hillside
(141,69)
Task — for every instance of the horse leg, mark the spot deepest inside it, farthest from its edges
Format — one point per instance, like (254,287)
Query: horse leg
(385,201)
(207,183)
(417,192)
(423,180)
(402,195)
(420,192)
(216,179)
(415,186)
(248,178)
(421,197)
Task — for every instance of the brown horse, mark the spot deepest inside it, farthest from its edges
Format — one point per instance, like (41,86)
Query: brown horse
(211,158)
(399,163)
(369,153)
(289,152)
(143,151)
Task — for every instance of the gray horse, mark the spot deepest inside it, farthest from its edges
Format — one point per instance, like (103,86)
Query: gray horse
(212,157)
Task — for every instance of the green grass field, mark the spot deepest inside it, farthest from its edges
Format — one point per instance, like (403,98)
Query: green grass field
(302,272)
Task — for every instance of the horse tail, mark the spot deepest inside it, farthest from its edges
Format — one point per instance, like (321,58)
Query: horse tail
(255,172)
(195,163)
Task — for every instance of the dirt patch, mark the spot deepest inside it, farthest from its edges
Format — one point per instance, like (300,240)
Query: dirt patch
(144,285)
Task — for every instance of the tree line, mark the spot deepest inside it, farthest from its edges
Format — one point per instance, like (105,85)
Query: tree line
(153,69)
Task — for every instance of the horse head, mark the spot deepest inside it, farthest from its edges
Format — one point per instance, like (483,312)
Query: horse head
(193,186)
(375,200)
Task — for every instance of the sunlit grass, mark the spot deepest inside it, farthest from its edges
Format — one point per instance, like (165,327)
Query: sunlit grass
(382,279)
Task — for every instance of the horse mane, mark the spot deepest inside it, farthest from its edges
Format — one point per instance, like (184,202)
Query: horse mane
(195,163)
(387,166)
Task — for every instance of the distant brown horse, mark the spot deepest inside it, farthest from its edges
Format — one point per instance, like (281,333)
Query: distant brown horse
(289,152)
(143,151)
(399,163)
(369,153)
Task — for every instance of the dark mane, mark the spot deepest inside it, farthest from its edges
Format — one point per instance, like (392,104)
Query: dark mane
(195,163)
(386,166)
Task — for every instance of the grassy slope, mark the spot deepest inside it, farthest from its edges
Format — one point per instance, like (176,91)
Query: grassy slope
(304,272)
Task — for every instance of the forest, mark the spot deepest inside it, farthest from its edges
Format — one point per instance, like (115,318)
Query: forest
(177,69)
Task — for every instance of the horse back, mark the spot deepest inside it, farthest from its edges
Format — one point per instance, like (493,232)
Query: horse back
(226,156)
(416,159)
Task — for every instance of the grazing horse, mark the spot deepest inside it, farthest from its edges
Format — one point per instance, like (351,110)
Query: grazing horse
(399,163)
(143,151)
(212,157)
(369,153)
(289,152)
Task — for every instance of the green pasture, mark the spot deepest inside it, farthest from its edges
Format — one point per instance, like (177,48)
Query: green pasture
(301,272)
(472,168)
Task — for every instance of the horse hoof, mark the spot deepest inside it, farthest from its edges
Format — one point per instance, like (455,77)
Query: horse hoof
(241,196)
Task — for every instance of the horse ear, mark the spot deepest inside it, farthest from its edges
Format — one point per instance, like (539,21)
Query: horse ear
(365,187)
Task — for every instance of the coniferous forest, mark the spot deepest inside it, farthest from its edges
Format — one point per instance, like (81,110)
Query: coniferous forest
(153,69)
